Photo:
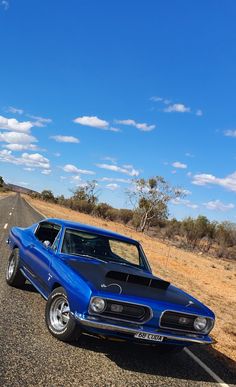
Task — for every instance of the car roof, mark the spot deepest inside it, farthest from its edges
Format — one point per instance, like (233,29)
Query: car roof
(89,228)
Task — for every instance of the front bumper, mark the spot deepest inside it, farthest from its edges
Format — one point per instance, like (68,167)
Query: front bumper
(128,329)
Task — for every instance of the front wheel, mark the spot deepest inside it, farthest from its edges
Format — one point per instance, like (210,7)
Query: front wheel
(58,319)
(14,277)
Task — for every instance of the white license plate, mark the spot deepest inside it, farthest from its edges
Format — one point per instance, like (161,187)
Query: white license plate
(148,336)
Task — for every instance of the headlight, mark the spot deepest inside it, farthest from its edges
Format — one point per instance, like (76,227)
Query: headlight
(97,305)
(200,323)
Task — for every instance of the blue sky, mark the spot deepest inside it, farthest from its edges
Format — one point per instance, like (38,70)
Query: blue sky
(114,90)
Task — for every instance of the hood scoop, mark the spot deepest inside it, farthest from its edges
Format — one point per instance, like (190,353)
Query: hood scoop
(138,280)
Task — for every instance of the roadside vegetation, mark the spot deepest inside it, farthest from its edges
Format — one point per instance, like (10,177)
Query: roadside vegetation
(3,187)
(149,199)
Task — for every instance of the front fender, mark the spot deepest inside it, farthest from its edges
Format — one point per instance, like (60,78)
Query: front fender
(78,290)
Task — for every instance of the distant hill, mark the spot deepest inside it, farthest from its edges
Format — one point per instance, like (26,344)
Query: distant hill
(18,188)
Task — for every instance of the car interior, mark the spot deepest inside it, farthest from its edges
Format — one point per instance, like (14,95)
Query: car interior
(47,232)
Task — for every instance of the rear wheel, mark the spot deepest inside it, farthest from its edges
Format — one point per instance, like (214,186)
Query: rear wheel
(58,318)
(14,277)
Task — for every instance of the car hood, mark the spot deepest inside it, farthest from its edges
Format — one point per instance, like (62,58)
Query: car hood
(130,281)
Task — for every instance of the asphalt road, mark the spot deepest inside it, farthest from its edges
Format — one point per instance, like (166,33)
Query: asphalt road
(30,356)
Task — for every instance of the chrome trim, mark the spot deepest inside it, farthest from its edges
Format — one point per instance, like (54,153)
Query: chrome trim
(205,332)
(92,323)
(121,319)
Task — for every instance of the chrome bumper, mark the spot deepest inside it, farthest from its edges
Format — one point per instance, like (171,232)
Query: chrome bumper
(93,322)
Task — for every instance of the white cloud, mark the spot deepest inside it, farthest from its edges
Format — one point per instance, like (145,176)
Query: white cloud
(14,110)
(29,160)
(21,147)
(17,138)
(230,133)
(76,178)
(112,186)
(228,182)
(70,168)
(46,171)
(184,202)
(217,205)
(160,99)
(70,139)
(177,107)
(115,168)
(184,191)
(57,154)
(5,4)
(199,112)
(113,160)
(141,126)
(18,141)
(156,99)
(39,121)
(178,164)
(29,169)
(112,129)
(13,124)
(93,121)
(118,180)
(188,154)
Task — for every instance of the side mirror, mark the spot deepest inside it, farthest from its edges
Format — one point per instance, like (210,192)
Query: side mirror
(47,244)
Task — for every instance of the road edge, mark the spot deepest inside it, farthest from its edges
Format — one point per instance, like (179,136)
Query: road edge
(35,209)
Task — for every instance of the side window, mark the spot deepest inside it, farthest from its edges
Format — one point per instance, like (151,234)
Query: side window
(47,232)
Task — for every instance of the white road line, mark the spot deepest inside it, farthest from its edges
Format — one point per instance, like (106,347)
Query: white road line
(207,369)
(5,226)
(10,213)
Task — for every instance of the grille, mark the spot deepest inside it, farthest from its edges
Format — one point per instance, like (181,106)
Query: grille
(171,320)
(130,312)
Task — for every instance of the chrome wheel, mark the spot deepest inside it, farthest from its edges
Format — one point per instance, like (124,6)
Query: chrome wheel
(11,267)
(59,313)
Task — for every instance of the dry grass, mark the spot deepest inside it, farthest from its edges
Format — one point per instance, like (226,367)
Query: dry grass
(5,194)
(208,279)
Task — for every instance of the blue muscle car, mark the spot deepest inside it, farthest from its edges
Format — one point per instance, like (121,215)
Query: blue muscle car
(100,282)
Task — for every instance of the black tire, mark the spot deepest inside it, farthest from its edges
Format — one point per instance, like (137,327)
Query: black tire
(61,324)
(14,277)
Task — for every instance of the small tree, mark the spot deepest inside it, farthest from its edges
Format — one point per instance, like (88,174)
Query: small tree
(87,192)
(1,182)
(150,198)
(47,195)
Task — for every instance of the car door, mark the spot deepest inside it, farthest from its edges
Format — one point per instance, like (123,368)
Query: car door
(40,253)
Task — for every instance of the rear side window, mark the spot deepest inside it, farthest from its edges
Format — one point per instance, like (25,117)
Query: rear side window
(47,232)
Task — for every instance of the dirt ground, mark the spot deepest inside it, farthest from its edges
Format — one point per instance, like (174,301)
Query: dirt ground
(5,194)
(211,280)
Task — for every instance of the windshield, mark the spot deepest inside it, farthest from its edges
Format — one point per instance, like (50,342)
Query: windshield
(97,246)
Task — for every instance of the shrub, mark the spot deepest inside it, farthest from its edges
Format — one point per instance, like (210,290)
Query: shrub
(101,210)
(125,215)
